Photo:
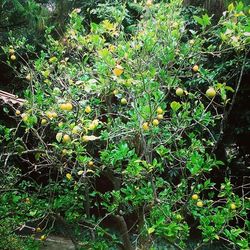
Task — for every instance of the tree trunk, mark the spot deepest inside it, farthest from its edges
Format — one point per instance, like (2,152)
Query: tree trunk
(215,7)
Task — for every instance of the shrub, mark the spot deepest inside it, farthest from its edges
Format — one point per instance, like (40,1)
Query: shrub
(109,139)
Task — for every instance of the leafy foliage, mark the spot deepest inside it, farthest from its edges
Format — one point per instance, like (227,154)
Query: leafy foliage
(105,134)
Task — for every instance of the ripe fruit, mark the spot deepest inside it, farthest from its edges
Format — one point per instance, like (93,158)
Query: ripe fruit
(69,106)
(51,115)
(18,112)
(199,204)
(43,237)
(11,51)
(115,92)
(64,151)
(24,117)
(88,109)
(90,163)
(66,138)
(85,138)
(38,230)
(13,57)
(68,176)
(210,92)
(149,3)
(118,70)
(66,106)
(54,114)
(159,111)
(195,68)
(179,92)
(28,77)
(145,126)
(76,129)
(232,206)
(93,124)
(60,124)
(43,121)
(160,117)
(155,122)
(191,42)
(124,101)
(195,197)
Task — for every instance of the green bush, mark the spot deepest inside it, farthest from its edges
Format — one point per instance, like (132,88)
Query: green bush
(120,128)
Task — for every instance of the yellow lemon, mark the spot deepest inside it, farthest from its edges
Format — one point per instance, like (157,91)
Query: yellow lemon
(13,57)
(68,176)
(145,126)
(118,70)
(28,77)
(54,114)
(43,121)
(90,163)
(195,197)
(179,92)
(155,122)
(11,51)
(43,237)
(88,109)
(160,117)
(64,151)
(85,138)
(159,111)
(124,101)
(69,106)
(24,117)
(76,129)
(149,3)
(66,138)
(199,204)
(211,92)
(195,68)
(232,206)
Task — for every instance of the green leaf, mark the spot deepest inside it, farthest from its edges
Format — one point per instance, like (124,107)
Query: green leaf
(230,7)
(151,230)
(175,105)
(198,20)
(59,136)
(206,20)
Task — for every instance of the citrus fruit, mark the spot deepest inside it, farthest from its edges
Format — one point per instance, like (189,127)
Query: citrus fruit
(179,92)
(118,70)
(145,126)
(195,197)
(195,68)
(160,117)
(13,57)
(66,138)
(159,111)
(155,122)
(88,109)
(210,92)
(43,121)
(199,204)
(232,206)
(124,101)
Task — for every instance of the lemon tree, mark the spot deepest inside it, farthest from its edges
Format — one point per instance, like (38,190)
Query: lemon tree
(124,126)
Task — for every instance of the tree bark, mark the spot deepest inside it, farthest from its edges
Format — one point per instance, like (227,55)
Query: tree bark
(215,7)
